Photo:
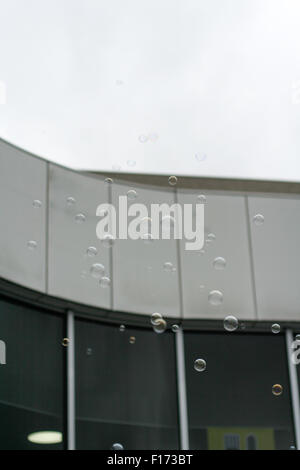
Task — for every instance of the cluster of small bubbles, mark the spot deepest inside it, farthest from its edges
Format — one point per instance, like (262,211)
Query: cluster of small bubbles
(108,180)
(104,282)
(277,390)
(37,204)
(117,446)
(80,218)
(169,268)
(132,339)
(259,219)
(160,326)
(131,194)
(32,245)
(107,241)
(65,342)
(71,201)
(175,328)
(202,199)
(97,270)
(131,162)
(200,157)
(231,323)
(215,298)
(275,328)
(173,180)
(92,251)
(89,351)
(155,317)
(219,263)
(122,328)
(200,365)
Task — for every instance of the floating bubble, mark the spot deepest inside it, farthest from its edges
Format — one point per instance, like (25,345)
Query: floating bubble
(92,251)
(155,317)
(200,365)
(169,268)
(259,219)
(131,162)
(65,342)
(97,270)
(211,237)
(277,390)
(275,328)
(132,340)
(71,201)
(202,199)
(131,194)
(200,157)
(160,326)
(173,180)
(231,323)
(219,263)
(107,241)
(32,245)
(175,328)
(108,180)
(215,298)
(143,138)
(117,446)
(122,328)
(37,204)
(119,82)
(80,218)
(89,351)
(104,282)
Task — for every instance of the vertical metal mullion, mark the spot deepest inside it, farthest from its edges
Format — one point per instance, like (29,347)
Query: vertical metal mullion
(71,382)
(294,387)
(181,384)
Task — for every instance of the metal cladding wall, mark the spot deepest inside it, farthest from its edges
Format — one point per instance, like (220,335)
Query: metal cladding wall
(48,222)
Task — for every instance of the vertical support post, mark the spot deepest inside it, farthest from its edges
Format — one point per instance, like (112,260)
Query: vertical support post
(181,385)
(294,387)
(71,382)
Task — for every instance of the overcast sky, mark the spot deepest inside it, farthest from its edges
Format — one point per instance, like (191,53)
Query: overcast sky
(193,87)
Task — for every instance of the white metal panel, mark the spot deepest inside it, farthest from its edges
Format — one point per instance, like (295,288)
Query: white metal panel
(69,263)
(141,284)
(22,181)
(225,217)
(276,256)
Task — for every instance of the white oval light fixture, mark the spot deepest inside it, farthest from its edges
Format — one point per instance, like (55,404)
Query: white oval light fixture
(45,437)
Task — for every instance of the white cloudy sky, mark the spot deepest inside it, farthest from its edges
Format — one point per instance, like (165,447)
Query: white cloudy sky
(192,87)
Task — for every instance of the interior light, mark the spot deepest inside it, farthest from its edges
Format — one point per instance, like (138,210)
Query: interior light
(45,437)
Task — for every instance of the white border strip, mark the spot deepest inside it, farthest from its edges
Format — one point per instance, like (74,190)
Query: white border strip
(71,382)
(181,383)
(294,386)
